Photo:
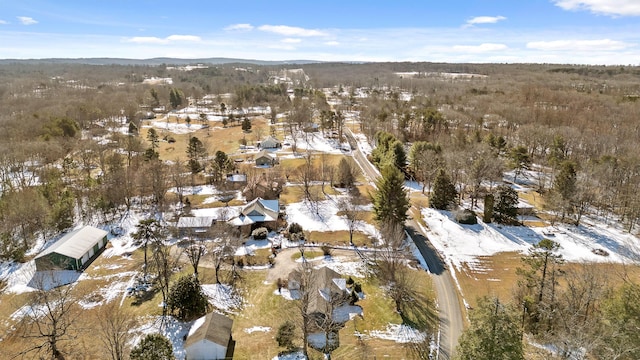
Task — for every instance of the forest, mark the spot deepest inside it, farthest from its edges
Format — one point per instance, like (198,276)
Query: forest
(72,150)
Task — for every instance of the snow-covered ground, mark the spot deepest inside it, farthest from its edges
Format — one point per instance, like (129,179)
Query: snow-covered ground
(464,243)
(326,218)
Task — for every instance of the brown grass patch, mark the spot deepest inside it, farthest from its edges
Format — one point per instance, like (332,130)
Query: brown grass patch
(338,238)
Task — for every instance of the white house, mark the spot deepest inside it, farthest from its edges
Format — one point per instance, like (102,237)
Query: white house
(210,338)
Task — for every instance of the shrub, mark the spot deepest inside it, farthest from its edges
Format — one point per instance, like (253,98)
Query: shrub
(295,228)
(260,233)
(466,216)
(357,288)
(350,281)
(286,334)
(326,250)
(153,346)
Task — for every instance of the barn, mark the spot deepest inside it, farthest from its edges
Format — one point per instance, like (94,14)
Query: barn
(210,338)
(74,251)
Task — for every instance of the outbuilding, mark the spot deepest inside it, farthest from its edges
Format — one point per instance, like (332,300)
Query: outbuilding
(210,338)
(74,251)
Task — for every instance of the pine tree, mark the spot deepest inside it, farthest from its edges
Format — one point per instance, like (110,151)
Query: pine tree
(246,124)
(444,192)
(505,208)
(390,201)
(153,347)
(195,152)
(186,297)
(494,333)
(286,334)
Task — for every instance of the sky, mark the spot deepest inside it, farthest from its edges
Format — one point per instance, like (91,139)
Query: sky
(603,32)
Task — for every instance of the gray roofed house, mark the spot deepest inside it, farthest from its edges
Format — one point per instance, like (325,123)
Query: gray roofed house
(194,225)
(265,158)
(258,211)
(74,251)
(210,338)
(270,143)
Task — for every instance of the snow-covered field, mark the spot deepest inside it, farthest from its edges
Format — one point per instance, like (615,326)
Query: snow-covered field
(464,243)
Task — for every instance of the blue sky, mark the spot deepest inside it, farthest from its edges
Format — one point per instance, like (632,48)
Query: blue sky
(538,31)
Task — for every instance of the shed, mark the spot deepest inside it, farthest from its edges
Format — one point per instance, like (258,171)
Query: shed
(210,338)
(74,251)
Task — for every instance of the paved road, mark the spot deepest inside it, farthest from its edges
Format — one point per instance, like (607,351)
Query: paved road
(450,313)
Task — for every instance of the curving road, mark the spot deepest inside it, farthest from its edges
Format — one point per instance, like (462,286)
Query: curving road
(450,313)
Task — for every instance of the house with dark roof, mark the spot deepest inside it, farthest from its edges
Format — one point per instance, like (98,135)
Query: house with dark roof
(74,251)
(210,338)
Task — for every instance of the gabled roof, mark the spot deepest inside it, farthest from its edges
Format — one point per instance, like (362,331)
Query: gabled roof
(258,210)
(269,140)
(264,153)
(213,327)
(195,221)
(76,243)
(323,284)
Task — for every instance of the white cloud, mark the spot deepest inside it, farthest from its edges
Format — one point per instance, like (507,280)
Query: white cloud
(579,45)
(486,47)
(25,20)
(291,41)
(332,43)
(291,30)
(604,7)
(3,22)
(239,27)
(485,20)
(168,39)
(191,38)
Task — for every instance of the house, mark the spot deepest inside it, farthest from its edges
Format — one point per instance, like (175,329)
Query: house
(270,143)
(264,188)
(74,251)
(194,225)
(327,290)
(265,158)
(236,181)
(210,338)
(257,213)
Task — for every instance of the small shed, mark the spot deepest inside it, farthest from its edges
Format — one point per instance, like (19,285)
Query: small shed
(265,158)
(210,338)
(74,251)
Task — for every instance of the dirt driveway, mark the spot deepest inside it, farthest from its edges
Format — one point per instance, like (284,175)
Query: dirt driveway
(284,264)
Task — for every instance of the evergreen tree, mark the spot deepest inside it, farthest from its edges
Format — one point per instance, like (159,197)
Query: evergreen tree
(195,152)
(246,124)
(345,174)
(538,282)
(153,347)
(565,188)
(444,192)
(391,200)
(286,335)
(494,333)
(621,338)
(519,160)
(187,299)
(153,138)
(175,98)
(220,165)
(505,208)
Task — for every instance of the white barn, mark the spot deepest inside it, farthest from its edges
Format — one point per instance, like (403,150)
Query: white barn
(210,338)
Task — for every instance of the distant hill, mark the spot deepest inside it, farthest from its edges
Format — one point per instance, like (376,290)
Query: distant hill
(153,61)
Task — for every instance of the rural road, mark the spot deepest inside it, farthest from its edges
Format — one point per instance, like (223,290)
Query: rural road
(450,313)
